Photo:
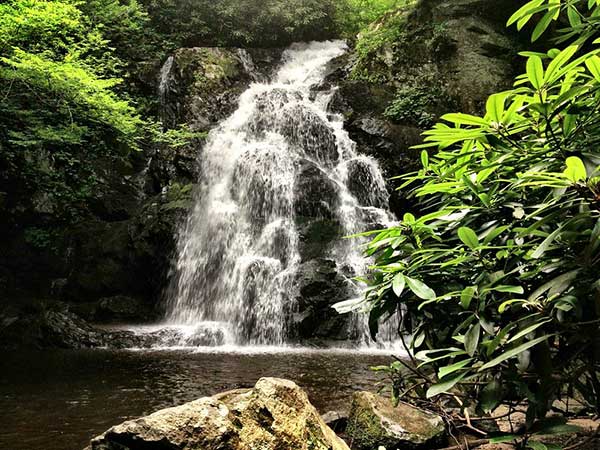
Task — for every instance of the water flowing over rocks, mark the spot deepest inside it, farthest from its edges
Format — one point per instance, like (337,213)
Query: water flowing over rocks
(280,184)
(374,422)
(274,415)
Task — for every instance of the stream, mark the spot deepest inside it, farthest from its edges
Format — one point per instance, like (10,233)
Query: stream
(59,400)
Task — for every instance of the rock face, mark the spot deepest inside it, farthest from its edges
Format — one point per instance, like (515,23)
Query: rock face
(375,422)
(434,57)
(200,86)
(274,415)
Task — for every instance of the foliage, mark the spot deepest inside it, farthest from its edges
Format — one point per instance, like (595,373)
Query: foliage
(413,105)
(59,104)
(353,16)
(241,22)
(497,279)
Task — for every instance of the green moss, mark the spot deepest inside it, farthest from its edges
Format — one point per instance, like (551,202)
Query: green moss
(178,197)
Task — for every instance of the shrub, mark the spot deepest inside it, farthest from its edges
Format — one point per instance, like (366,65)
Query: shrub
(497,279)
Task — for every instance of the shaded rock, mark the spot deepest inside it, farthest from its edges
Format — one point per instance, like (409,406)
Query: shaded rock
(335,420)
(122,308)
(366,184)
(274,415)
(316,193)
(318,236)
(321,284)
(433,57)
(374,422)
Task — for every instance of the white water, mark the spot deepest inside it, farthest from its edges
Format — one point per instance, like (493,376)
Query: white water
(238,252)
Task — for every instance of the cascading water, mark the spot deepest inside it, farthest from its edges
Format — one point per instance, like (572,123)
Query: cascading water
(238,252)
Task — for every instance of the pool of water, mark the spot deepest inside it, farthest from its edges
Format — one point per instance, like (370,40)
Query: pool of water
(58,400)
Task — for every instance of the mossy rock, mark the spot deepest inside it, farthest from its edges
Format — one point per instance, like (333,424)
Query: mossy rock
(375,422)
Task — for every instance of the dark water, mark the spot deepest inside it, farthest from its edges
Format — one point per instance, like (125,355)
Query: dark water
(59,400)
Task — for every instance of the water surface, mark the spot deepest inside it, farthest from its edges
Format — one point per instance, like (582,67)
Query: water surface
(58,400)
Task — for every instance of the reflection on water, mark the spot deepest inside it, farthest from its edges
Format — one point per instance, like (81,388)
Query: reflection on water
(59,400)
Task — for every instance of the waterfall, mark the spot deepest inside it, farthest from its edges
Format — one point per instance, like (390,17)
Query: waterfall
(238,251)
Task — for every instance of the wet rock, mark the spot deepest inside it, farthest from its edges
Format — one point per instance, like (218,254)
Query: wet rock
(274,415)
(121,309)
(317,236)
(263,195)
(321,284)
(316,193)
(374,422)
(308,132)
(203,84)
(366,184)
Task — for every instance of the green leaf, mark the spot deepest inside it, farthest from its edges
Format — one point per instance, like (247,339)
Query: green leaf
(543,24)
(512,353)
(491,396)
(575,170)
(495,106)
(472,339)
(559,61)
(445,371)
(593,65)
(524,11)
(466,296)
(536,445)
(504,438)
(398,284)
(535,71)
(558,429)
(420,289)
(507,303)
(465,119)
(507,288)
(468,237)
(543,247)
(425,159)
(573,16)
(527,330)
(444,385)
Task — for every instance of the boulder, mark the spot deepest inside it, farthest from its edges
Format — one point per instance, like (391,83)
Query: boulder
(321,283)
(366,184)
(274,415)
(375,422)
(317,194)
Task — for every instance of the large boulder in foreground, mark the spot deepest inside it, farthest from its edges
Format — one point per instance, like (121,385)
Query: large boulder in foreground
(375,422)
(274,415)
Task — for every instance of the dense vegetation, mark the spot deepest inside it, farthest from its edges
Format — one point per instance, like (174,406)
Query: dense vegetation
(496,275)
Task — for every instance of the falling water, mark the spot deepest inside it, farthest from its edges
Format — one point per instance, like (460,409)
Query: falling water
(238,252)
